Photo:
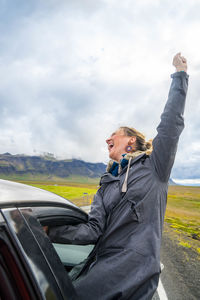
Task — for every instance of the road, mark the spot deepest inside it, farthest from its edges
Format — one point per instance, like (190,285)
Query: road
(181,275)
(180,278)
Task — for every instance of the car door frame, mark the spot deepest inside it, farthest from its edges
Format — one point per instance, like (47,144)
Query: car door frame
(37,255)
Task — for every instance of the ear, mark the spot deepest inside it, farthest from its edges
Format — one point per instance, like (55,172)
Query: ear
(132,140)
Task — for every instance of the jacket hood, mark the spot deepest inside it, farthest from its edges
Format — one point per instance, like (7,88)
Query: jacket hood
(124,161)
(118,167)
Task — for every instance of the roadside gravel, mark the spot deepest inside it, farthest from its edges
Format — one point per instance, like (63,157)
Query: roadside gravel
(181,275)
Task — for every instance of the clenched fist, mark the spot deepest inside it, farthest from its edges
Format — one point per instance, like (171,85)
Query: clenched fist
(180,62)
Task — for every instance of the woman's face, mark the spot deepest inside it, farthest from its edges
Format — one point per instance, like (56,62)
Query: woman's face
(117,144)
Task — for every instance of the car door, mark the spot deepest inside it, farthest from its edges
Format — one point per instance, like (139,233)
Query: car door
(14,278)
(30,266)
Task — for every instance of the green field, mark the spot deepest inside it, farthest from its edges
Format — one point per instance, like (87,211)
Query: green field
(50,180)
(81,194)
(68,192)
(182,214)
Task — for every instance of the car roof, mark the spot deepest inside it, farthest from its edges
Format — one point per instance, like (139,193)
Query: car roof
(17,193)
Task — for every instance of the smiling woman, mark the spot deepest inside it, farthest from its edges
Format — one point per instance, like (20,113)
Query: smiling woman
(118,143)
(127,214)
(127,139)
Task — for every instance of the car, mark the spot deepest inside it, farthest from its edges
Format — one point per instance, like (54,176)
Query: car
(31,267)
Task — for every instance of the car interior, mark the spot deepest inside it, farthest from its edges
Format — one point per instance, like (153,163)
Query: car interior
(70,255)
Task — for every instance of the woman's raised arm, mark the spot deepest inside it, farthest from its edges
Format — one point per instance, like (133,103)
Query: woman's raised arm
(172,121)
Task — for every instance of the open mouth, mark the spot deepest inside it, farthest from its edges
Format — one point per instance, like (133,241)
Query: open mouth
(110,146)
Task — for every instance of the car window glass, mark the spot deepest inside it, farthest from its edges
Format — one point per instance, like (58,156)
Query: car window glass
(71,255)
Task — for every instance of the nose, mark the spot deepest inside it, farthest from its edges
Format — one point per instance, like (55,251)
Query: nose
(108,140)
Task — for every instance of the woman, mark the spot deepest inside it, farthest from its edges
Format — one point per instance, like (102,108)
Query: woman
(127,213)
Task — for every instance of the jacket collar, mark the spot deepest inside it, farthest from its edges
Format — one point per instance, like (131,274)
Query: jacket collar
(133,161)
(115,168)
(108,177)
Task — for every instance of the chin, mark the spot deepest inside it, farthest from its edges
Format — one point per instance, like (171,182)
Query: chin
(114,156)
(111,156)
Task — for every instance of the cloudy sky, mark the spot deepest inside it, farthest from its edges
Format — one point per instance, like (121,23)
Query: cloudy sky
(72,71)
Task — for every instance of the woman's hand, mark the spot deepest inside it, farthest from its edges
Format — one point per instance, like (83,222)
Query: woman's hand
(46,229)
(180,63)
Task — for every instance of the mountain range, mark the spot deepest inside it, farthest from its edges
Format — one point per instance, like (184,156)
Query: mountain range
(47,167)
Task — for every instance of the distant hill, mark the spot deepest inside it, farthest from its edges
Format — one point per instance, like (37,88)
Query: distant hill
(23,167)
(39,167)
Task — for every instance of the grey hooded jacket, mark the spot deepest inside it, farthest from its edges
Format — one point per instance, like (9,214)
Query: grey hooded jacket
(127,227)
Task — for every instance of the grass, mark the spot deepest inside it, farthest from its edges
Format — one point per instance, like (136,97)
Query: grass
(78,189)
(185,244)
(68,192)
(45,179)
(183,214)
(80,194)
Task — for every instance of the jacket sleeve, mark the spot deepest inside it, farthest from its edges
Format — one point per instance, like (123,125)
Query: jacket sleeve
(84,233)
(170,127)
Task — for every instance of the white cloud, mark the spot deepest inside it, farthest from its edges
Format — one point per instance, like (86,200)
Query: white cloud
(71,73)
(188,182)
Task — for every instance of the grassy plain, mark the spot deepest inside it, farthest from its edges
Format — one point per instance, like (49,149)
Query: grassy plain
(183,215)
(68,192)
(50,180)
(79,193)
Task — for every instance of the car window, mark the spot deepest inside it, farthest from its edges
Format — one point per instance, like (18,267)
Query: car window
(71,255)
(55,216)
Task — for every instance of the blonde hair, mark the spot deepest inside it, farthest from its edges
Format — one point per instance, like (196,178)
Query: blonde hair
(141,144)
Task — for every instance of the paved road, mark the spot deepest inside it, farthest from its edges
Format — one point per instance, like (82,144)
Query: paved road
(180,278)
(181,274)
